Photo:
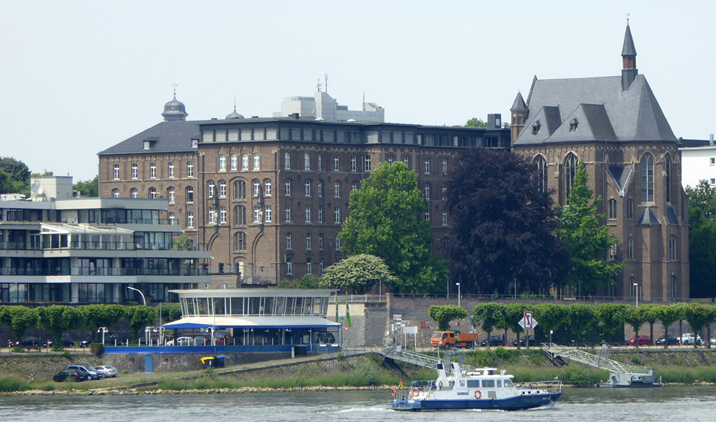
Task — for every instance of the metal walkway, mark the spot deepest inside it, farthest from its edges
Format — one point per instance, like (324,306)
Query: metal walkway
(595,361)
(415,358)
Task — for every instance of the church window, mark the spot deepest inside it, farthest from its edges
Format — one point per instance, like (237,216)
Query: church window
(570,169)
(630,208)
(630,248)
(612,208)
(667,165)
(672,248)
(240,241)
(647,178)
(674,287)
(239,189)
(541,165)
(240,215)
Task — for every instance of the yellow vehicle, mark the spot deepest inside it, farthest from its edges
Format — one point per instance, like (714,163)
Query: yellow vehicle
(453,339)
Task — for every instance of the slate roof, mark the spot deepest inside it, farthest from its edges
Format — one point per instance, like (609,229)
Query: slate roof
(604,111)
(628,49)
(519,104)
(174,136)
(621,174)
(648,218)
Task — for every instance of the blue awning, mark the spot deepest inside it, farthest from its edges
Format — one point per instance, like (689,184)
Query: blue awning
(250,322)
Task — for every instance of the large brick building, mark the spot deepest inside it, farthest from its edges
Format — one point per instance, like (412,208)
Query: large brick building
(616,127)
(267,196)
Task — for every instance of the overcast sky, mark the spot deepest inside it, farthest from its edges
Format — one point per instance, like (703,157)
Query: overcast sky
(77,77)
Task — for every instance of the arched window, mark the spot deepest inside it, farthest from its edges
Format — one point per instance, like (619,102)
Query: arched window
(234,162)
(222,215)
(211,189)
(307,190)
(570,170)
(212,215)
(257,162)
(222,162)
(667,169)
(153,193)
(672,248)
(239,189)
(171,195)
(133,193)
(630,208)
(647,178)
(189,194)
(222,189)
(115,193)
(612,208)
(674,289)
(541,165)
(287,187)
(354,185)
(632,287)
(257,188)
(239,215)
(630,248)
(427,191)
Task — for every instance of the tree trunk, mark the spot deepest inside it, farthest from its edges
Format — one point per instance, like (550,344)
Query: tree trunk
(666,336)
(518,340)
(651,333)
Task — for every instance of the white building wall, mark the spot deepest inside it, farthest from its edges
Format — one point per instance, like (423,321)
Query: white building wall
(698,163)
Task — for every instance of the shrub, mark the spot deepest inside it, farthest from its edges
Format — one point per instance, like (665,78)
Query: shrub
(8,385)
(97,349)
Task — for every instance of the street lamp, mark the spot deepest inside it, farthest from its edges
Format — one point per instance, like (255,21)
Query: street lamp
(102,330)
(458,293)
(140,292)
(636,288)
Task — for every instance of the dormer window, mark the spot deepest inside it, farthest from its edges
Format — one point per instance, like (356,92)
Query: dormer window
(535,127)
(573,125)
(194,143)
(147,145)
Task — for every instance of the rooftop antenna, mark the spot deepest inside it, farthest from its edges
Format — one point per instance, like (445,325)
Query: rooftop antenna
(318,85)
(326,76)
(234,103)
(363,100)
(175,89)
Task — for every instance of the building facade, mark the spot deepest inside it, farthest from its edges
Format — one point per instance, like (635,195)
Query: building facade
(699,163)
(267,196)
(616,127)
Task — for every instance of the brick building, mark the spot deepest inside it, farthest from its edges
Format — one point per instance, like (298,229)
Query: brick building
(267,196)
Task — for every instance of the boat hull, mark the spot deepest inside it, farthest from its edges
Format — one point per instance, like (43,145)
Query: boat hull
(513,403)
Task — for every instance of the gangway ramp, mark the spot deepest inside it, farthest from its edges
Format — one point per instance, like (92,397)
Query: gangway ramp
(414,358)
(592,360)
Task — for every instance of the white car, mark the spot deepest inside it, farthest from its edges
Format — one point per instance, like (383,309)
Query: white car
(688,338)
(108,371)
(713,340)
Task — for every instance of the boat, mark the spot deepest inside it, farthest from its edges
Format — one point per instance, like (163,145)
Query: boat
(632,380)
(480,389)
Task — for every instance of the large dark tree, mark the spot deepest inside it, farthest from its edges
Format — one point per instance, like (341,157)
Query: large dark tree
(14,176)
(502,226)
(702,237)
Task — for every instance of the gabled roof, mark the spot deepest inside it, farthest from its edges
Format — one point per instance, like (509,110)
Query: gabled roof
(648,218)
(173,136)
(611,113)
(620,174)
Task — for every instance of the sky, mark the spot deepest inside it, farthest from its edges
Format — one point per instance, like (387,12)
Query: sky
(77,77)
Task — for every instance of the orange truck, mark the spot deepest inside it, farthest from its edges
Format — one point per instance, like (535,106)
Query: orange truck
(453,339)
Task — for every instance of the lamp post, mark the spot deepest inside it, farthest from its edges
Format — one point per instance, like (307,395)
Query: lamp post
(102,330)
(140,292)
(636,295)
(458,293)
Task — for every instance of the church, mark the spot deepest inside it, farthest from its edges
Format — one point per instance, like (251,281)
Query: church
(615,126)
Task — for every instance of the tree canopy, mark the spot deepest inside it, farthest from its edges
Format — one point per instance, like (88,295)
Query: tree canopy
(444,314)
(88,188)
(14,176)
(502,225)
(702,237)
(387,220)
(586,238)
(475,122)
(308,281)
(358,272)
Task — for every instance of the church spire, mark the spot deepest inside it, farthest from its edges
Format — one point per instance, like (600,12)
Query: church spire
(629,70)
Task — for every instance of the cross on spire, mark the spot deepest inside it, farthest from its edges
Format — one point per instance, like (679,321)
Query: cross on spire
(175,89)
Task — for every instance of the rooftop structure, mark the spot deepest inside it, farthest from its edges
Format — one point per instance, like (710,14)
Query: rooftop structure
(324,107)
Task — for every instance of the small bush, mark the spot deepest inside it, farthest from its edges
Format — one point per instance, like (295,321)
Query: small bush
(47,387)
(97,349)
(18,349)
(8,385)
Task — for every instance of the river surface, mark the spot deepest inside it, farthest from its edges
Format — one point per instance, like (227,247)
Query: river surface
(583,405)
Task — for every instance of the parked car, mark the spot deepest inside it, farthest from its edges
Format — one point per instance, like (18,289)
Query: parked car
(181,341)
(202,341)
(643,340)
(223,341)
(670,340)
(522,341)
(66,342)
(89,372)
(494,341)
(107,371)
(713,340)
(689,338)
(119,338)
(29,341)
(69,374)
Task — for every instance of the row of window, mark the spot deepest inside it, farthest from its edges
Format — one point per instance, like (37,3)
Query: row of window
(672,253)
(153,171)
(309,263)
(265,215)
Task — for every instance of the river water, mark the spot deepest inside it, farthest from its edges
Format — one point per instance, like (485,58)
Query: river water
(583,405)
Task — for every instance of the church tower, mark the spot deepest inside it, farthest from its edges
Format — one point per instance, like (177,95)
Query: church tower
(519,115)
(629,70)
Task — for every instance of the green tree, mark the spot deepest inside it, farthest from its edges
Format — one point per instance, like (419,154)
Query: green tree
(358,272)
(59,319)
(612,317)
(702,237)
(634,317)
(580,319)
(387,220)
(182,243)
(586,239)
(667,314)
(16,177)
(490,315)
(308,281)
(475,122)
(22,318)
(650,315)
(88,188)
(445,314)
(550,316)
(698,316)
(514,313)
(97,316)
(140,316)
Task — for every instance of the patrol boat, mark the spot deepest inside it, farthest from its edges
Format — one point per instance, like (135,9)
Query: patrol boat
(482,389)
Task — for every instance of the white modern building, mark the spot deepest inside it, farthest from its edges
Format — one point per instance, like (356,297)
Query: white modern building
(323,106)
(699,163)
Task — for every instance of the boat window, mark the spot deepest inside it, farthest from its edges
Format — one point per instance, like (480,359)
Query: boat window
(488,383)
(499,383)
(508,384)
(473,383)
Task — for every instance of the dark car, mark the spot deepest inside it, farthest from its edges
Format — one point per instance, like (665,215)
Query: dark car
(494,341)
(522,341)
(670,340)
(69,374)
(66,342)
(29,341)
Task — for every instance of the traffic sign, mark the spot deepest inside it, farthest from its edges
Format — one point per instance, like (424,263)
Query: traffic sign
(528,322)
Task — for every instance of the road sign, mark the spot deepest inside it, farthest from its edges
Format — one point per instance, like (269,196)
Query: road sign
(528,322)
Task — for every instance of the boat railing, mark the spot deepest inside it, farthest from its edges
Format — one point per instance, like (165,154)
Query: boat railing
(550,386)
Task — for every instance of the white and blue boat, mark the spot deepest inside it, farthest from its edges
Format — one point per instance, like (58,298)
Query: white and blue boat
(481,389)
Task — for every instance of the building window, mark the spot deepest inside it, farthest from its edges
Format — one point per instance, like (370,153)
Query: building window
(268,213)
(630,208)
(257,188)
(630,248)
(612,208)
(354,185)
(189,195)
(647,178)
(320,163)
(287,187)
(210,192)
(320,266)
(244,162)
(336,166)
(171,170)
(189,169)
(190,219)
(444,193)
(667,164)
(307,190)
(212,215)
(427,191)
(257,214)
(153,193)
(288,213)
(536,127)
(320,188)
(308,241)
(234,162)
(239,241)
(353,163)
(713,161)
(390,160)
(337,215)
(240,215)
(134,170)
(570,169)
(222,189)
(632,287)
(308,266)
(115,170)
(367,163)
(222,215)
(222,162)
(445,218)
(172,218)
(320,241)
(320,214)
(406,160)
(427,215)
(573,125)
(257,162)
(115,193)
(444,166)
(289,266)
(427,166)
(170,195)
(287,161)
(306,161)
(613,252)
(337,189)
(308,213)
(153,170)
(133,193)
(672,248)
(239,189)
(288,241)
(541,165)
(338,244)
(674,287)
(267,187)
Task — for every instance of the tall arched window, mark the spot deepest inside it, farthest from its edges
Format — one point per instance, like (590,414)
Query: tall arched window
(307,189)
(612,208)
(239,189)
(239,215)
(630,248)
(541,165)
(672,248)
(673,288)
(287,187)
(115,193)
(647,178)
(667,169)
(570,169)
(239,241)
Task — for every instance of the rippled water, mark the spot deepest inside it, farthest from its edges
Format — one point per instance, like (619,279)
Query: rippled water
(659,404)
